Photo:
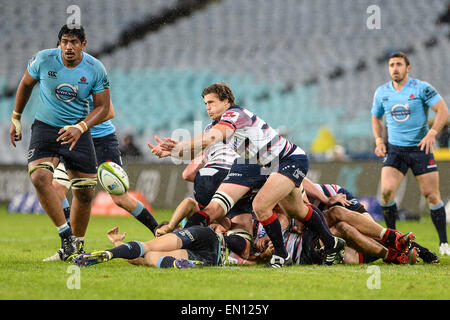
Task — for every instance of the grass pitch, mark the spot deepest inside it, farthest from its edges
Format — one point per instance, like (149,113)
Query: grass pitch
(26,239)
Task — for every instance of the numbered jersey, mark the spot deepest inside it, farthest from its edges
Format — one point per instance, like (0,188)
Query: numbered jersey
(65,92)
(219,155)
(405,111)
(254,139)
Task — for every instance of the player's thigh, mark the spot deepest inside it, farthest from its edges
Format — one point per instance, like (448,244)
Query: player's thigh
(391,178)
(151,258)
(235,191)
(429,185)
(276,188)
(167,242)
(41,170)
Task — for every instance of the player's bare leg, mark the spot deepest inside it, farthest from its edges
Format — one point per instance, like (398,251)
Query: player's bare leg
(429,186)
(81,204)
(391,178)
(42,181)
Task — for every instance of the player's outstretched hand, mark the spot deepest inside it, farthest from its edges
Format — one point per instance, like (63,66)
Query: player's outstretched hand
(163,148)
(115,237)
(428,143)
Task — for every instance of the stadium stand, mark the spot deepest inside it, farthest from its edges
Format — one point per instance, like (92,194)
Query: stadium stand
(301,64)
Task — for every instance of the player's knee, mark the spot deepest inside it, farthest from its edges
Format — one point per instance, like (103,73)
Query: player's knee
(83,196)
(387,195)
(219,205)
(41,175)
(214,210)
(432,198)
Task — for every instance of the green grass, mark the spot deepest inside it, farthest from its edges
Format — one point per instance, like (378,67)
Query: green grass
(26,239)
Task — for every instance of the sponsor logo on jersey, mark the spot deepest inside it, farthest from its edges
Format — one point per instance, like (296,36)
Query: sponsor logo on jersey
(52,74)
(82,80)
(400,112)
(66,92)
(230,116)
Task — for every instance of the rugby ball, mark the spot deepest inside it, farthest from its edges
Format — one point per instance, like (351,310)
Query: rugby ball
(113,178)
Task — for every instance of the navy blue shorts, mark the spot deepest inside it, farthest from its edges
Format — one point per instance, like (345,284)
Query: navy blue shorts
(254,176)
(206,183)
(43,144)
(403,158)
(201,243)
(107,149)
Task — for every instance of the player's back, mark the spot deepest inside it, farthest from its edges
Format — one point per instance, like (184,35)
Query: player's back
(254,138)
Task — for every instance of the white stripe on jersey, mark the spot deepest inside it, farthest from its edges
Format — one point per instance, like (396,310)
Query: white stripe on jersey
(254,138)
(331,188)
(293,244)
(219,154)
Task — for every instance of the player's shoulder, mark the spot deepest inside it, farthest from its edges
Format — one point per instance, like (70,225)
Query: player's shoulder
(385,87)
(93,62)
(46,55)
(420,84)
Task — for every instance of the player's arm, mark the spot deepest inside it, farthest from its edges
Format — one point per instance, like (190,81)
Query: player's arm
(192,168)
(429,141)
(313,192)
(71,134)
(23,94)
(377,129)
(111,114)
(190,148)
(185,209)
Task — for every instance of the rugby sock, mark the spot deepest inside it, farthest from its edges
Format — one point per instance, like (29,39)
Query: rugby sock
(390,214)
(165,262)
(438,216)
(235,243)
(273,230)
(66,209)
(145,217)
(315,221)
(129,250)
(199,218)
(64,230)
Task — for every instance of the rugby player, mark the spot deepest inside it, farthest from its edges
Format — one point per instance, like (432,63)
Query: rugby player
(404,103)
(68,76)
(268,161)
(106,147)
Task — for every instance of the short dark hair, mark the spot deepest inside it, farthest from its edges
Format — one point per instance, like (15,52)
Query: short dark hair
(74,31)
(222,90)
(400,54)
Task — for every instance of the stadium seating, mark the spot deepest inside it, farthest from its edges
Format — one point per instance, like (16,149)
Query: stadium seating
(293,62)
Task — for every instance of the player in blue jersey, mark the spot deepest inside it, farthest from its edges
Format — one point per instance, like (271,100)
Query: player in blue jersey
(404,103)
(106,147)
(68,76)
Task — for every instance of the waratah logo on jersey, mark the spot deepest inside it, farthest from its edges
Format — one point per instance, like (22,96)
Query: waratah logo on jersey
(66,92)
(400,112)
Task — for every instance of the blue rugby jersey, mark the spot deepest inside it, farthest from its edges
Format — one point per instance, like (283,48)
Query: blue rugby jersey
(64,92)
(405,111)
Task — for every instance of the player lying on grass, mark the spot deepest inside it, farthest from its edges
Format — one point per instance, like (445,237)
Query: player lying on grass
(356,216)
(304,245)
(191,247)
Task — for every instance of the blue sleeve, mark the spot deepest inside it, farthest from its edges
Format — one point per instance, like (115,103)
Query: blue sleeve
(377,107)
(102,82)
(428,94)
(34,66)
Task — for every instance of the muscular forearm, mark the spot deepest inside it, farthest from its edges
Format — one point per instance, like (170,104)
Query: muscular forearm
(185,209)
